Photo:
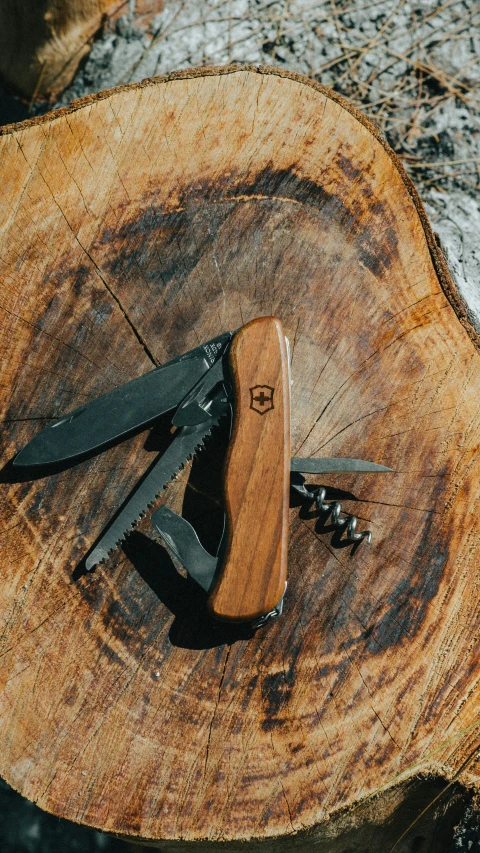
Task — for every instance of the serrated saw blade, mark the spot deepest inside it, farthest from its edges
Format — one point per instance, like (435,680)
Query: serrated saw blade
(188,440)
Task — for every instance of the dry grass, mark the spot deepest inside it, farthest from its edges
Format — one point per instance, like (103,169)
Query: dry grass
(405,65)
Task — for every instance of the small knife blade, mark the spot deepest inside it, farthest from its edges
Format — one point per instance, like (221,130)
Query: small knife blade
(328,465)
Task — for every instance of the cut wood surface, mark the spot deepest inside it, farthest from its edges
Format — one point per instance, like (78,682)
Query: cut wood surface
(135,226)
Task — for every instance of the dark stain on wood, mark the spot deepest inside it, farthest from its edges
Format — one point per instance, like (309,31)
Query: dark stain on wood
(192,218)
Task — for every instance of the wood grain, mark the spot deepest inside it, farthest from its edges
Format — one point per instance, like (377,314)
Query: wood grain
(133,227)
(257,476)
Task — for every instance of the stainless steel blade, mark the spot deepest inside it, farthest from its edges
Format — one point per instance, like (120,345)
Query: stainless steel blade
(181,538)
(330,466)
(188,440)
(130,407)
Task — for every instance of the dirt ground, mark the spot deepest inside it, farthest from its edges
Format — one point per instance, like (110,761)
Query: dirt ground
(412,67)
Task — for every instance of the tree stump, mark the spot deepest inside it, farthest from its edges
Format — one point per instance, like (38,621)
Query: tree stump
(134,226)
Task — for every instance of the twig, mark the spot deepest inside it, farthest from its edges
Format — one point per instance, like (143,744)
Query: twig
(431,165)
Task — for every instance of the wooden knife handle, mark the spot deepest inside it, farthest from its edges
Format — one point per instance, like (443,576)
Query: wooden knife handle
(257,476)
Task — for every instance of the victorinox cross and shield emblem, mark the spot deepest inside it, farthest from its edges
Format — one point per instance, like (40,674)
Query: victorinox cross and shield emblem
(261,398)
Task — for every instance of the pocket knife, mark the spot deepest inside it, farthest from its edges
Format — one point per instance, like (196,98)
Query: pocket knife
(246,375)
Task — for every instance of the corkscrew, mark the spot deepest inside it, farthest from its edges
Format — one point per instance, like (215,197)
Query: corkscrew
(350,521)
(333,507)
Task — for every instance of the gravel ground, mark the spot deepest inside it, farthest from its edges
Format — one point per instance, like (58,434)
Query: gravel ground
(412,67)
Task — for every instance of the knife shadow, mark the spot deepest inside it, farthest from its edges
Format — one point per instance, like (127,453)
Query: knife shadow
(203,501)
(193,626)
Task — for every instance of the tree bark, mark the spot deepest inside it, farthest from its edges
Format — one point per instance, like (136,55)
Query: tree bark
(134,226)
